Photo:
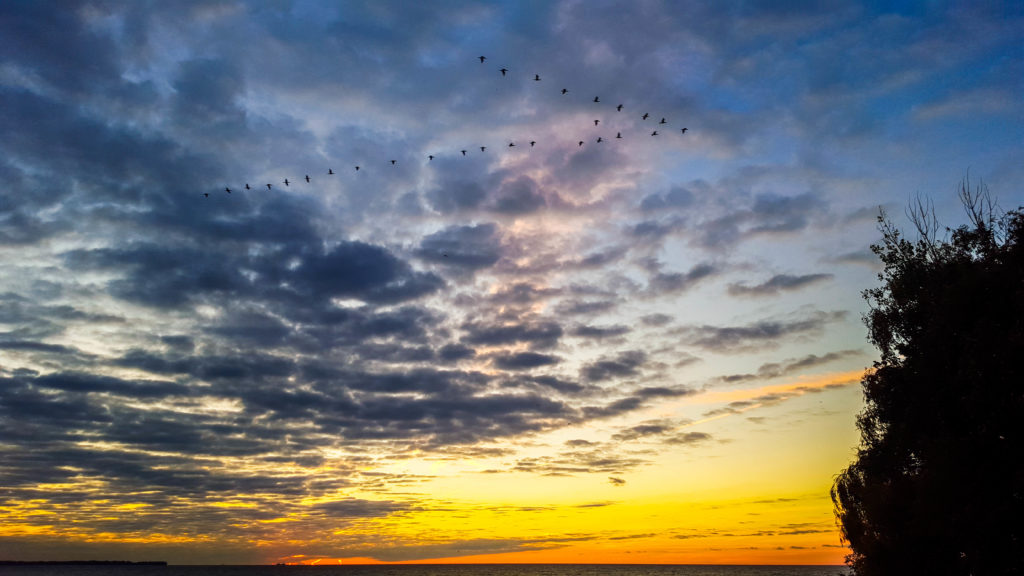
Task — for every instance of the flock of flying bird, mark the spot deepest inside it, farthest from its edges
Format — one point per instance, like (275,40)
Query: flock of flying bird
(504,73)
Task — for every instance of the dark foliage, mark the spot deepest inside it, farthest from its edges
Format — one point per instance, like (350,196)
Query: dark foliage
(938,484)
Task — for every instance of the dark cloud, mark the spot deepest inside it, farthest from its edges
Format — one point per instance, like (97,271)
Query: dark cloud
(542,333)
(864,257)
(585,307)
(624,365)
(778,283)
(656,319)
(771,399)
(757,335)
(677,197)
(357,508)
(768,214)
(600,332)
(468,247)
(672,282)
(570,463)
(519,196)
(455,352)
(791,366)
(524,360)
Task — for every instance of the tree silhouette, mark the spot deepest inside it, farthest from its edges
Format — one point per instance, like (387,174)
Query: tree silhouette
(938,483)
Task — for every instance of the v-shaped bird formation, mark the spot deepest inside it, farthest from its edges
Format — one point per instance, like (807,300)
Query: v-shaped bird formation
(599,139)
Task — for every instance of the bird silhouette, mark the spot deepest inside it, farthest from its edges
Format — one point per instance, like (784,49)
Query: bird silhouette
(503,71)
(393,162)
(463,152)
(662,121)
(268,186)
(286,183)
(357,168)
(307,178)
(207,194)
(431,157)
(511,144)
(618,108)
(532,142)
(596,99)
(599,139)
(482,58)
(618,134)
(645,115)
(228,190)
(330,171)
(596,122)
(655,133)
(483,148)
(684,130)
(536,77)
(247,186)
(581,142)
(565,90)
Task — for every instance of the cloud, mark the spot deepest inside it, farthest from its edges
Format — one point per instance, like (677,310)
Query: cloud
(757,335)
(624,365)
(600,332)
(524,360)
(778,283)
(467,247)
(273,348)
(662,283)
(543,333)
(778,369)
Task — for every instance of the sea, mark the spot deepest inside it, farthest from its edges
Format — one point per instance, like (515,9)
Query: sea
(428,570)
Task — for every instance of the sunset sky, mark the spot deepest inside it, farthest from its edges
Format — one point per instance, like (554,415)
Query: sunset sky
(644,349)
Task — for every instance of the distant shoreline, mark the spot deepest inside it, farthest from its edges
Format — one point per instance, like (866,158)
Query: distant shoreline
(80,563)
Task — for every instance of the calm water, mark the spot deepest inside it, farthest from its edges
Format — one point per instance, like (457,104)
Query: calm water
(447,570)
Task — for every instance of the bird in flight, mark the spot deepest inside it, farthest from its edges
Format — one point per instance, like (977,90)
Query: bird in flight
(581,142)
(532,142)
(228,190)
(596,99)
(645,116)
(503,71)
(599,140)
(247,186)
(511,144)
(655,133)
(662,121)
(431,157)
(463,152)
(565,90)
(618,134)
(596,122)
(268,186)
(286,183)
(307,178)
(618,108)
(357,168)
(482,58)
(483,148)
(330,171)
(536,77)
(684,130)
(207,194)
(392,162)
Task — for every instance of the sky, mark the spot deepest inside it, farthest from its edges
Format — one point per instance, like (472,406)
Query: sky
(645,349)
